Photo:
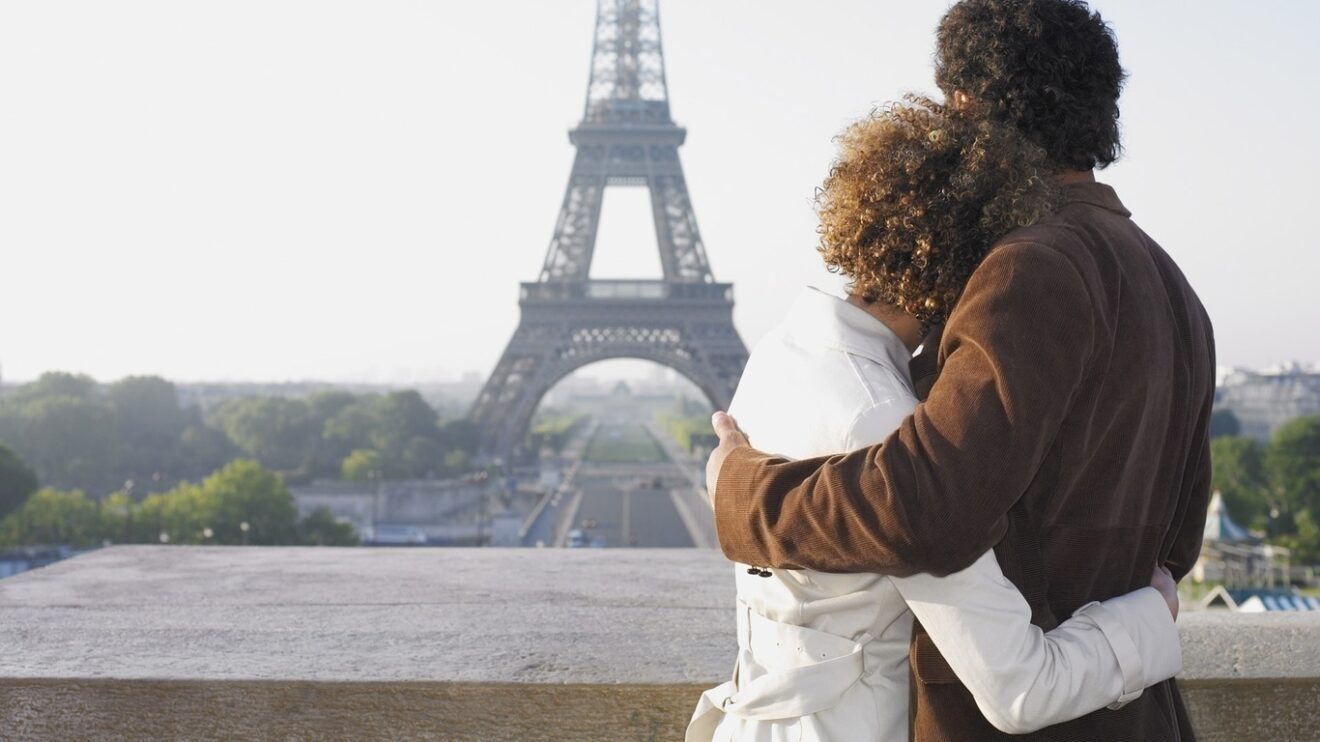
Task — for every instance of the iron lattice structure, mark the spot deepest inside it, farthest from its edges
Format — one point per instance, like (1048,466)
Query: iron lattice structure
(683,321)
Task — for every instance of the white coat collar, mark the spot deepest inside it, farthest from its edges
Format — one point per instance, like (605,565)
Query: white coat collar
(819,319)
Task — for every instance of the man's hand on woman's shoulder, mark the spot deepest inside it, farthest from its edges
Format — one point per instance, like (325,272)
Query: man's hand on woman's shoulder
(730,438)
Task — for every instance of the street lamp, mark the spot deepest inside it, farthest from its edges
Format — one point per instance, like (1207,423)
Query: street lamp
(373,481)
(244,527)
(128,511)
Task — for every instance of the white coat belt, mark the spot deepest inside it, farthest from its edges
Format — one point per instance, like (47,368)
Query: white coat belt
(783,671)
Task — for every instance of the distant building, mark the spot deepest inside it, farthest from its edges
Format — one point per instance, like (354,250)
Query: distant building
(1263,400)
(1220,526)
(31,557)
(1233,556)
(1259,600)
(444,512)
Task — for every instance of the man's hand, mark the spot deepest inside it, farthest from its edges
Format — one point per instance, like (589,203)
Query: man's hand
(730,438)
(1162,580)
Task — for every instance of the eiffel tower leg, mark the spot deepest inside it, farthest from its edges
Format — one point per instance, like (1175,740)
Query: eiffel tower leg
(569,256)
(681,250)
(505,393)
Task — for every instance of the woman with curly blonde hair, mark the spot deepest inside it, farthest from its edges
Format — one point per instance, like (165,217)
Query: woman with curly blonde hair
(917,198)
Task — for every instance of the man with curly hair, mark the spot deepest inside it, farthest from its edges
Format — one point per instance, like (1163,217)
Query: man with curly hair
(1068,426)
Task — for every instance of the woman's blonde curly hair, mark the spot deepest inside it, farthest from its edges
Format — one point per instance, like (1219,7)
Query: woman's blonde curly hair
(919,195)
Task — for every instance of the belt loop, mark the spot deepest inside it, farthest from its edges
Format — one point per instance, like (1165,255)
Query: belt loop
(744,624)
(862,641)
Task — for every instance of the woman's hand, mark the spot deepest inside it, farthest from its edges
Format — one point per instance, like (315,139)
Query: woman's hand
(1162,579)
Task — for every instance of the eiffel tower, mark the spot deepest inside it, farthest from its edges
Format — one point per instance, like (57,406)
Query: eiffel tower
(683,321)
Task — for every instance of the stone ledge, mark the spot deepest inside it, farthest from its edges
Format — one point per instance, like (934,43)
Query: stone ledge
(165,641)
(302,710)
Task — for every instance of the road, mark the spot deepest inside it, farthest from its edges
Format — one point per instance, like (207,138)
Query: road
(624,509)
(619,492)
(550,523)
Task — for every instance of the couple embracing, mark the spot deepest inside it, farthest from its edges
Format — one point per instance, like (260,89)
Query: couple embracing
(983,540)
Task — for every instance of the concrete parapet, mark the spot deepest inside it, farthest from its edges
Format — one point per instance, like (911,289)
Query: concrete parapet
(156,642)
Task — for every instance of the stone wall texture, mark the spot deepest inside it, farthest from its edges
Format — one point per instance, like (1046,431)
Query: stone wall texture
(212,643)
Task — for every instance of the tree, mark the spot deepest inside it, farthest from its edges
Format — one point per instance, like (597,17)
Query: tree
(1305,542)
(344,429)
(328,451)
(1293,464)
(17,481)
(400,428)
(320,528)
(422,457)
(402,417)
(54,517)
(1224,422)
(460,434)
(201,449)
(279,432)
(325,405)
(56,384)
(149,421)
(244,492)
(457,461)
(363,465)
(70,441)
(1239,474)
(211,512)
(117,511)
(179,516)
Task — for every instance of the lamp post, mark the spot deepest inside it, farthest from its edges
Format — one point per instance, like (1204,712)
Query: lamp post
(128,511)
(244,527)
(373,480)
(483,514)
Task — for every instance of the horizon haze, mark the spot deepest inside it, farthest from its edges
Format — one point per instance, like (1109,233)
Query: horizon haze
(346,191)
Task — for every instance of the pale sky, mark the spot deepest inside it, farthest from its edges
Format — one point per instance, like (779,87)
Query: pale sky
(299,189)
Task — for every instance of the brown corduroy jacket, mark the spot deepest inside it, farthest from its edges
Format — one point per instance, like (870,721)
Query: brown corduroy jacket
(1068,429)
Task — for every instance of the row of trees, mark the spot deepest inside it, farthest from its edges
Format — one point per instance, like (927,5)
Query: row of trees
(78,434)
(552,428)
(1275,487)
(242,503)
(357,437)
(686,419)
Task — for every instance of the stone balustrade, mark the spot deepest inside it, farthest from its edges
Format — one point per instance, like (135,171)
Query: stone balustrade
(172,642)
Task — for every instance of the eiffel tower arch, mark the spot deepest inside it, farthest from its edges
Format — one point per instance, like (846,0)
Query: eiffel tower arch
(685,319)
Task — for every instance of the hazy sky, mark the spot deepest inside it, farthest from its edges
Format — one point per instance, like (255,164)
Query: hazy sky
(353,190)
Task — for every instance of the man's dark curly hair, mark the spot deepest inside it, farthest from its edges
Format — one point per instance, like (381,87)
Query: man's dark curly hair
(1050,67)
(918,196)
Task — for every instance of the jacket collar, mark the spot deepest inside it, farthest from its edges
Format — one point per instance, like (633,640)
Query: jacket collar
(818,319)
(1095,194)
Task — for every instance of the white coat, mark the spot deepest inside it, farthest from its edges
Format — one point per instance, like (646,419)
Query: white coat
(824,656)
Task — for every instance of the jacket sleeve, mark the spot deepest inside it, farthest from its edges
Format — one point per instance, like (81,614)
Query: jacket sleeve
(1184,542)
(1023,679)
(933,496)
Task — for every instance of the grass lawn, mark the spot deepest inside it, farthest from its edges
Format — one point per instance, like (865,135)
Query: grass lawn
(619,444)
